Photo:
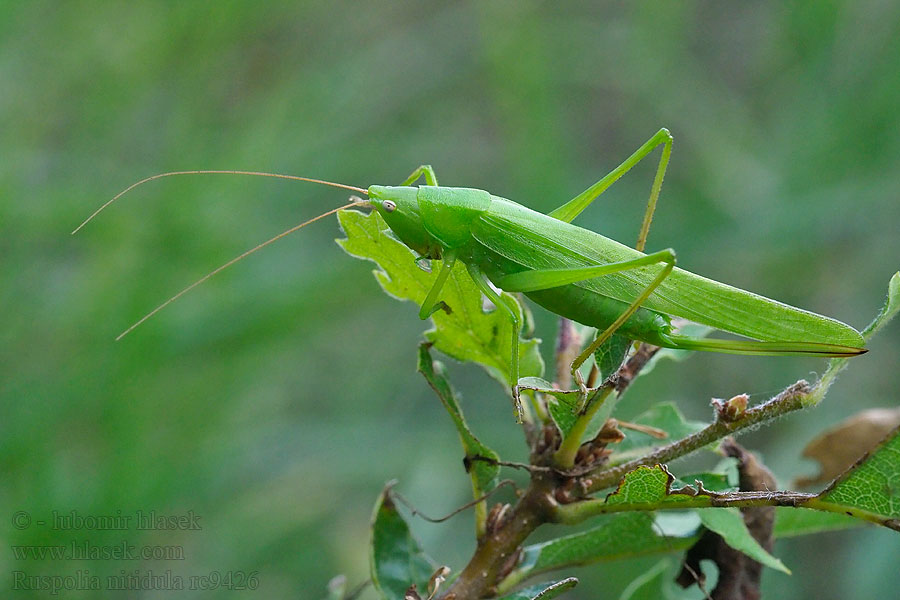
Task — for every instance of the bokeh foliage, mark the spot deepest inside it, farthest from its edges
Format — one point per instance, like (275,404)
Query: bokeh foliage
(277,399)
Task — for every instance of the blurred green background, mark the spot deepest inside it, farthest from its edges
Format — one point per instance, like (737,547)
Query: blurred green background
(277,399)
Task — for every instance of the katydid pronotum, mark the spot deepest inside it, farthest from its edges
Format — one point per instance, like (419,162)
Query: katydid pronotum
(574,272)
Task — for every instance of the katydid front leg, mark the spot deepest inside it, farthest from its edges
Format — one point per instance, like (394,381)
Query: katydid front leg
(427,171)
(432,303)
(484,285)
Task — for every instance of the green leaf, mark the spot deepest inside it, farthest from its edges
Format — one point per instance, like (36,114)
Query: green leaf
(543,591)
(564,404)
(564,411)
(536,383)
(651,488)
(465,331)
(871,489)
(484,474)
(611,353)
(729,524)
(396,560)
(628,535)
(650,583)
(645,485)
(619,536)
(792,522)
(665,416)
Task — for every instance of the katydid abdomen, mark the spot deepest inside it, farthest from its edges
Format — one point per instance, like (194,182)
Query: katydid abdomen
(578,303)
(512,238)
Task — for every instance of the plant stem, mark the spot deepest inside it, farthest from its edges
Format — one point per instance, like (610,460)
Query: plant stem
(497,548)
(792,398)
(571,514)
(565,455)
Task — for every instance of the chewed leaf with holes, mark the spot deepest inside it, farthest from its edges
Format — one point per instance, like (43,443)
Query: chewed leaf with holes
(464,331)
(714,481)
(648,486)
(871,489)
(652,486)
(395,558)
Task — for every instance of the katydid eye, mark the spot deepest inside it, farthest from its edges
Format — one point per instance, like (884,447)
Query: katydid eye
(389,206)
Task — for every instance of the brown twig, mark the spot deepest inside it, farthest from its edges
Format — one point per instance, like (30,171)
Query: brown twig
(790,399)
(568,345)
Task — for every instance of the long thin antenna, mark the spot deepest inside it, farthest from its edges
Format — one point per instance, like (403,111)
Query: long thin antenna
(356,202)
(215,172)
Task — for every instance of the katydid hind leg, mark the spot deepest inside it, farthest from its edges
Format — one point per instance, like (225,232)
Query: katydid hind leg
(568,211)
(481,281)
(529,281)
(666,257)
(654,189)
(543,279)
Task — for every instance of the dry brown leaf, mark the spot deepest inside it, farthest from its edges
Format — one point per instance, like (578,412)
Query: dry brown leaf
(838,448)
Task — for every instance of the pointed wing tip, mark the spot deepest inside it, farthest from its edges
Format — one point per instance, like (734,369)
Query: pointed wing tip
(766,347)
(854,352)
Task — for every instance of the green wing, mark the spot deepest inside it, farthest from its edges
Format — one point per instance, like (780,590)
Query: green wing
(536,241)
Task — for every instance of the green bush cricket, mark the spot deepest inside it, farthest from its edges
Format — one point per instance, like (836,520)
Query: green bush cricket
(574,272)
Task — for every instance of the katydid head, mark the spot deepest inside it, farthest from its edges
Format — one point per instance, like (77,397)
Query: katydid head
(399,207)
